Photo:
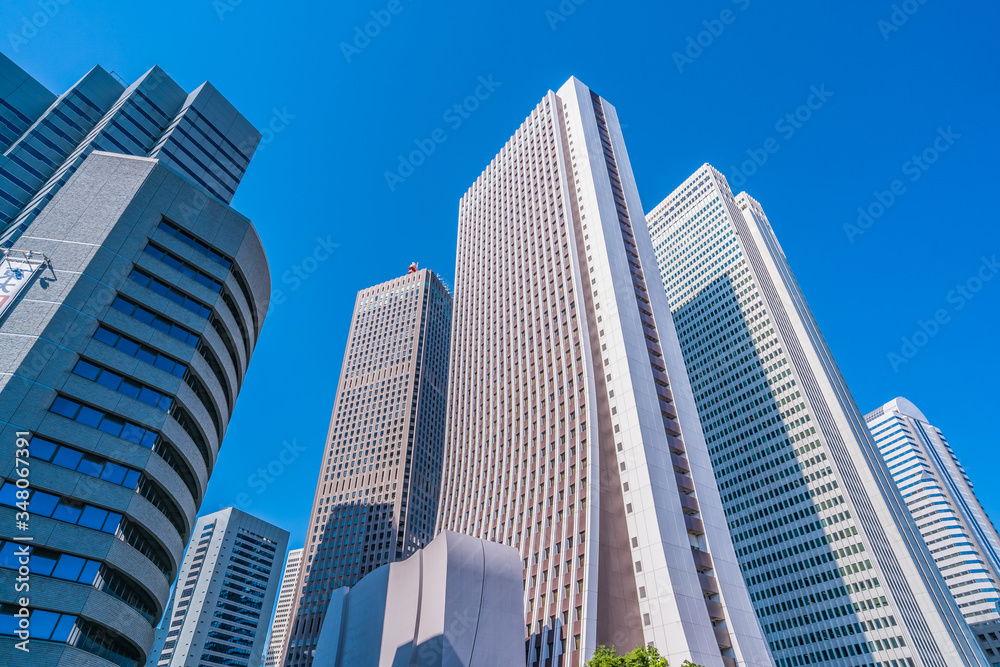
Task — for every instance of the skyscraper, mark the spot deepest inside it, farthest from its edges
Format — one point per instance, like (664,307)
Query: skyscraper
(572,434)
(46,138)
(937,491)
(377,491)
(224,595)
(123,351)
(835,566)
(283,609)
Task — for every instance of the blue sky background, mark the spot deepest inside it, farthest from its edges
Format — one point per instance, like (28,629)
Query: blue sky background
(323,174)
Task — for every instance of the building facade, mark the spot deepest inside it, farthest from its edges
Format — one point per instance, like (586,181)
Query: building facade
(836,570)
(962,540)
(377,491)
(283,609)
(572,434)
(121,357)
(224,595)
(454,603)
(45,138)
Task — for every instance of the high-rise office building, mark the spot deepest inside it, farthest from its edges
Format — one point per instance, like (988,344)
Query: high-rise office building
(962,540)
(45,138)
(224,594)
(835,566)
(283,609)
(572,433)
(122,351)
(380,477)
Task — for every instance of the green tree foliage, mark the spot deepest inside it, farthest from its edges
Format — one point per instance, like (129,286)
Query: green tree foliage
(640,656)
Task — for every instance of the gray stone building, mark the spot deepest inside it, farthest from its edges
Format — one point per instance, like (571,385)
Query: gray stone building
(454,603)
(131,299)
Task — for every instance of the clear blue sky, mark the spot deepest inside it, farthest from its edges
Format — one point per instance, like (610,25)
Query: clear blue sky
(323,174)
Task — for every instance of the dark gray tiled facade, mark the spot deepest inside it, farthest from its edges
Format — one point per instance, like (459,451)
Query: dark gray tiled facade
(120,365)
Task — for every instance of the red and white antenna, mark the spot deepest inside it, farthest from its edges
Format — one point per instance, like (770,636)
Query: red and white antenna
(413,268)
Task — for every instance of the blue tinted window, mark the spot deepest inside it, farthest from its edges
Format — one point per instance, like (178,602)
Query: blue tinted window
(43,623)
(65,511)
(89,416)
(111,524)
(130,389)
(64,407)
(93,517)
(42,449)
(105,336)
(89,466)
(8,556)
(42,563)
(148,396)
(87,370)
(43,503)
(111,425)
(133,433)
(113,473)
(89,572)
(7,494)
(63,628)
(109,380)
(68,567)
(8,624)
(127,346)
(67,458)
(131,479)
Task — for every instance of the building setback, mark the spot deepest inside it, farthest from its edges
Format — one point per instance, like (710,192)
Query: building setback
(836,569)
(572,434)
(962,540)
(46,138)
(283,609)
(380,477)
(224,595)
(122,353)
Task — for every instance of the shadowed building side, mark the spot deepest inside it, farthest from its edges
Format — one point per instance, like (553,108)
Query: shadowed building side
(454,603)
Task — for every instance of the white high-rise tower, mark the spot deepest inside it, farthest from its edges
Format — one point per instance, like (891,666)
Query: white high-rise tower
(283,609)
(836,568)
(572,433)
(938,492)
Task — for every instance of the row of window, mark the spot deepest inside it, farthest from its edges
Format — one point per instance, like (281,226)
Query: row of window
(88,464)
(108,423)
(140,351)
(123,385)
(171,293)
(62,509)
(158,322)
